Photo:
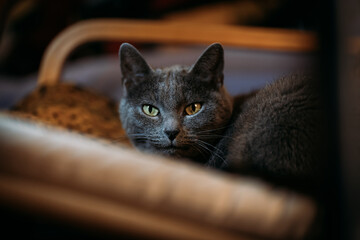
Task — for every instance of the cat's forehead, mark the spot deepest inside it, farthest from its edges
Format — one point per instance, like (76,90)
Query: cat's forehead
(172,71)
(171,80)
(171,86)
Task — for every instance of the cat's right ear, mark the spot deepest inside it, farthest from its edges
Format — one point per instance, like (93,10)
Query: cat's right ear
(133,66)
(209,67)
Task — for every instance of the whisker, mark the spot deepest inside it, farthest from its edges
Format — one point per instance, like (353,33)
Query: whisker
(199,150)
(137,134)
(215,129)
(120,138)
(213,136)
(203,147)
(205,144)
(210,145)
(134,135)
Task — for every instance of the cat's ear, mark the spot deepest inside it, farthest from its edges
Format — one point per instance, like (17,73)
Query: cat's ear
(210,65)
(133,66)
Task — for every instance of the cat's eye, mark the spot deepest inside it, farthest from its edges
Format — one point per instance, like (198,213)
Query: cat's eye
(150,110)
(193,108)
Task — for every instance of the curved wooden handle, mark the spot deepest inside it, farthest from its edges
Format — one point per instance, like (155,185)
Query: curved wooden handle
(165,32)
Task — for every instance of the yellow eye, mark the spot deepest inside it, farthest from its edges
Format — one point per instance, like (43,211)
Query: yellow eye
(150,110)
(193,108)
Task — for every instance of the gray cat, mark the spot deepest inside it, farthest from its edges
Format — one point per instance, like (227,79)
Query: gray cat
(186,112)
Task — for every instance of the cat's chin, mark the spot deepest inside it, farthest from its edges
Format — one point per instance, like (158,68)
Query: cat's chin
(173,150)
(178,152)
(185,152)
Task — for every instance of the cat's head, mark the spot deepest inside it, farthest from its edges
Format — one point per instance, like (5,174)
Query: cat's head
(177,111)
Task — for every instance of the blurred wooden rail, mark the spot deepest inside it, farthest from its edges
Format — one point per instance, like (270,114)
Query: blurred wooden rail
(72,177)
(167,32)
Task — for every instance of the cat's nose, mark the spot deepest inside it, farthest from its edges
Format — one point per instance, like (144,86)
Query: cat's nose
(171,134)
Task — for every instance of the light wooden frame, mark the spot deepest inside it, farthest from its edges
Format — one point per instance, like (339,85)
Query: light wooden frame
(166,32)
(73,178)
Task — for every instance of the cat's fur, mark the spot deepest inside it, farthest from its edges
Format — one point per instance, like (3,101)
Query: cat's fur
(272,132)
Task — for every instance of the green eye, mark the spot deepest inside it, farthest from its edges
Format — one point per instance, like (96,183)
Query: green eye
(193,108)
(150,110)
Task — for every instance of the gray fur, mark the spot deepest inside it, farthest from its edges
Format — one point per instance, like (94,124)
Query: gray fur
(272,131)
(277,132)
(171,90)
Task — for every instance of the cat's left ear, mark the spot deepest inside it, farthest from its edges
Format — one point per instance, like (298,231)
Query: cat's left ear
(209,67)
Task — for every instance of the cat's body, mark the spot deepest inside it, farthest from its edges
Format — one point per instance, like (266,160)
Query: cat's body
(186,112)
(275,132)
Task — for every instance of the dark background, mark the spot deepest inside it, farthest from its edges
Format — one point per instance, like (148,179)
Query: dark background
(28,26)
